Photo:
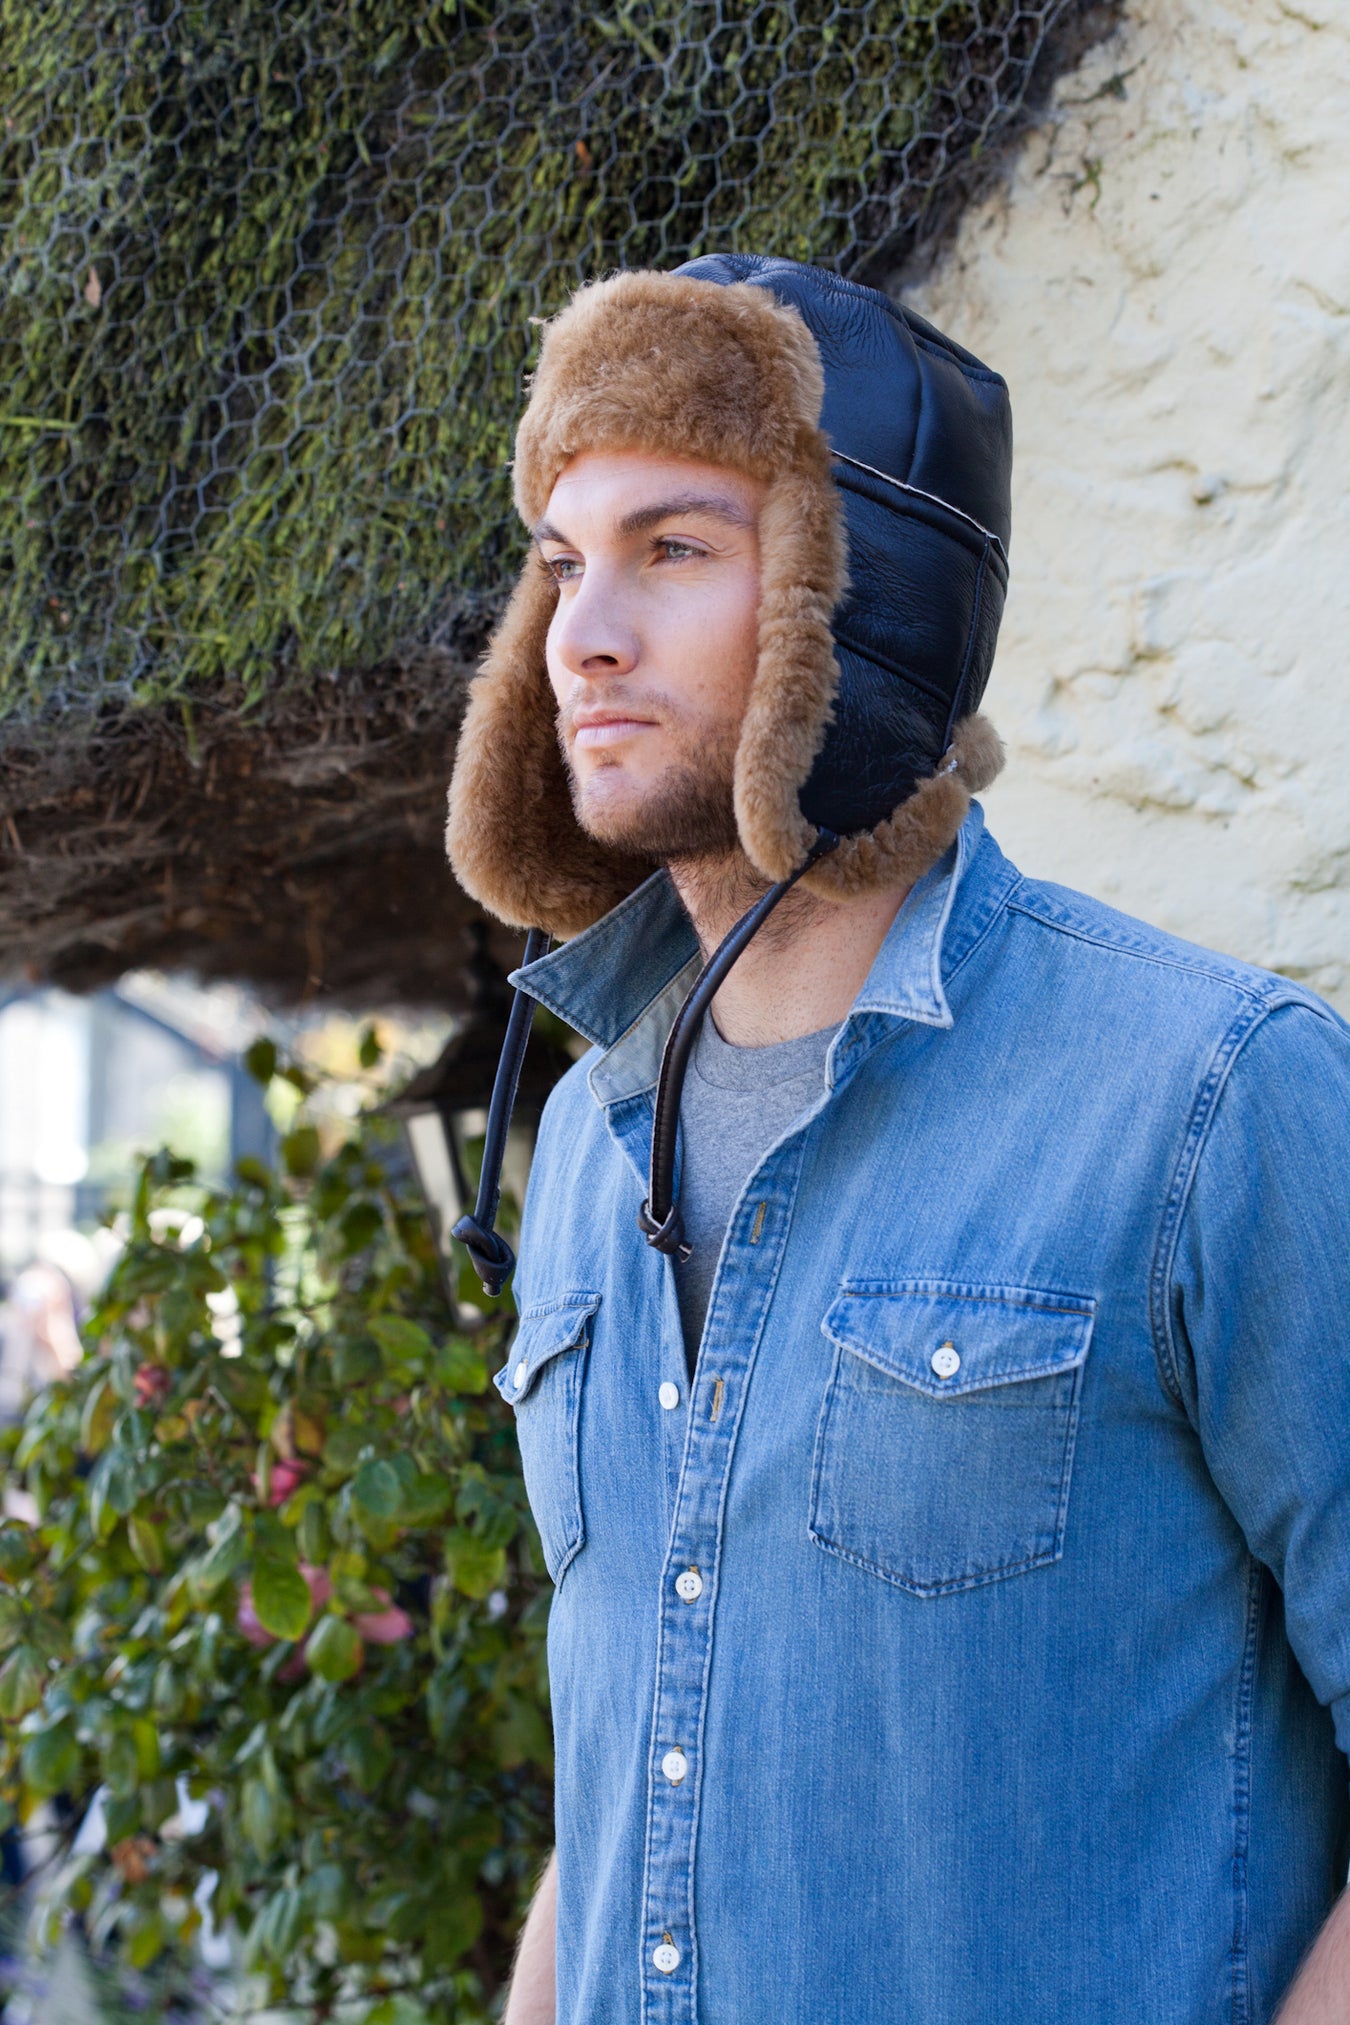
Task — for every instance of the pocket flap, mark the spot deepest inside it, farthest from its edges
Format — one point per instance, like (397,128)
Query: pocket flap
(544,1332)
(944,1340)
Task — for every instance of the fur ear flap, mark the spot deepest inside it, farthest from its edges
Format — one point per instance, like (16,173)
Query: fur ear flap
(803,575)
(910,842)
(513,840)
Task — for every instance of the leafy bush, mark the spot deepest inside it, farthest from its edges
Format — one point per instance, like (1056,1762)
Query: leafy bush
(284,1563)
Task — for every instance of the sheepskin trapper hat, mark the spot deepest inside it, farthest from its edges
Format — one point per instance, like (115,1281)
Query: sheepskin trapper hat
(861,714)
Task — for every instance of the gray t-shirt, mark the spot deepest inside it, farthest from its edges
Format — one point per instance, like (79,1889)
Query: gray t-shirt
(736,1103)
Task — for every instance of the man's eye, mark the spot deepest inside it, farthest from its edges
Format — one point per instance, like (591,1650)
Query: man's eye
(676,550)
(563,567)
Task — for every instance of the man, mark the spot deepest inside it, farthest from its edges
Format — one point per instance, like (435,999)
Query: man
(941,1455)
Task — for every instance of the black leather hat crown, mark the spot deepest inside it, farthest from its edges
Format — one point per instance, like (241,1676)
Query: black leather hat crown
(886,455)
(920,434)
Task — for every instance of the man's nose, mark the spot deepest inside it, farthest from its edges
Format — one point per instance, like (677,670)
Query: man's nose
(591,633)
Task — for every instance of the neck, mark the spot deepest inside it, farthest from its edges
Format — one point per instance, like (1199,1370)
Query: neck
(806,965)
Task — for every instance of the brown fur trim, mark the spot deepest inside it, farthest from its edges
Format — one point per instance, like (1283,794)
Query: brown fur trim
(513,840)
(910,842)
(802,578)
(662,363)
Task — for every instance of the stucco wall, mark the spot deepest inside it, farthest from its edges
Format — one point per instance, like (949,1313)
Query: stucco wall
(1165,282)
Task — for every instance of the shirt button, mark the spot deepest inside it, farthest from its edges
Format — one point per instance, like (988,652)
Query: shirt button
(689,1586)
(675,1765)
(947,1361)
(669,1396)
(666,1958)
(518,1375)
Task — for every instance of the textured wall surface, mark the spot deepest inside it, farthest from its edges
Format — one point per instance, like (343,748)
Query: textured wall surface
(1165,283)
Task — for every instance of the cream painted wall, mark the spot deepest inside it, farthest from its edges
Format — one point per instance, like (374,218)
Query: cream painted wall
(1165,282)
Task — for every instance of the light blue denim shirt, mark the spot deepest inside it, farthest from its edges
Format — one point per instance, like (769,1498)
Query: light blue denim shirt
(972,1645)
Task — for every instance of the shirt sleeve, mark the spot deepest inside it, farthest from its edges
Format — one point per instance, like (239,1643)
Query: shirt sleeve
(1259,1317)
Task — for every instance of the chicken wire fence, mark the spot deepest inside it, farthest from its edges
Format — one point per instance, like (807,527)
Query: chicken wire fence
(270,269)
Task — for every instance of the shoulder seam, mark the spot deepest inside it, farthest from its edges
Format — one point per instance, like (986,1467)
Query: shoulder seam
(1203,1111)
(1274,991)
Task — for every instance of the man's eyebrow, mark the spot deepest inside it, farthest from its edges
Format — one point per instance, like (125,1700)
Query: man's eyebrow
(712,504)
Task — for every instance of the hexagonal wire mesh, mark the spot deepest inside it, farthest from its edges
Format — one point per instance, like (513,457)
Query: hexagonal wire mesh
(269,268)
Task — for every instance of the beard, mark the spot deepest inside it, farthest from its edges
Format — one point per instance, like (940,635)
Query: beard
(687,821)
(688,814)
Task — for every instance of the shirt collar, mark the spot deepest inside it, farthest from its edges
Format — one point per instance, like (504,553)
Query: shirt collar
(622,980)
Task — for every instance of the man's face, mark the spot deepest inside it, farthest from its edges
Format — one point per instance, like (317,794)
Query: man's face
(652,649)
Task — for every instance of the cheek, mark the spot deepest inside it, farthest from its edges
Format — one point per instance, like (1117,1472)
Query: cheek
(716,641)
(558,678)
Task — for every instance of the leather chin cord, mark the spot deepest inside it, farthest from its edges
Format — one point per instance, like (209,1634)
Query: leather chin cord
(493,1259)
(659,1218)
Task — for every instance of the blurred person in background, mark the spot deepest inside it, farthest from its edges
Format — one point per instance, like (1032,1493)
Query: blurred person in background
(39,1325)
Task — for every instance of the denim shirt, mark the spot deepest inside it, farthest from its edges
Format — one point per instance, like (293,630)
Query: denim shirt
(971,1644)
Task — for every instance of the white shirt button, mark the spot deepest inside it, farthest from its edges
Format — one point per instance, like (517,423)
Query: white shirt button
(947,1361)
(666,1958)
(669,1396)
(519,1375)
(675,1765)
(689,1586)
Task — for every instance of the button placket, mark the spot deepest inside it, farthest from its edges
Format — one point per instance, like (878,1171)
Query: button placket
(737,1312)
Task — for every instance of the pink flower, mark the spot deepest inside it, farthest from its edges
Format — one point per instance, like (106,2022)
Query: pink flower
(286,1477)
(389,1626)
(246,1618)
(320,1584)
(152,1382)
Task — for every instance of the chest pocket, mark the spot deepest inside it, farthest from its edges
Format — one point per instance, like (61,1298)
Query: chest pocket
(945,1443)
(542,1379)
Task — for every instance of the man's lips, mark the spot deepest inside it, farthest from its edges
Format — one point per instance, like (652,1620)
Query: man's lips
(590,732)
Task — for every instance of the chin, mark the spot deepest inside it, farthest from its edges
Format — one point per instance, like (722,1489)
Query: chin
(616,818)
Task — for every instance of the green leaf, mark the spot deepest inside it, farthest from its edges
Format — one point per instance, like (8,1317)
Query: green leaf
(398,2010)
(13,1620)
(281,1598)
(401,1339)
(475,1567)
(146,1940)
(343,1447)
(334,1649)
(121,1764)
(261,1060)
(367,1754)
(147,1543)
(259,1813)
(360,1225)
(456,1926)
(425,1499)
(113,1490)
(370,1050)
(377,1488)
(355,1360)
(278,1926)
(49,1761)
(326,1890)
(146,1739)
(300,1150)
(96,1420)
(312,1535)
(17,1551)
(49,1634)
(460,1367)
(22,1679)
